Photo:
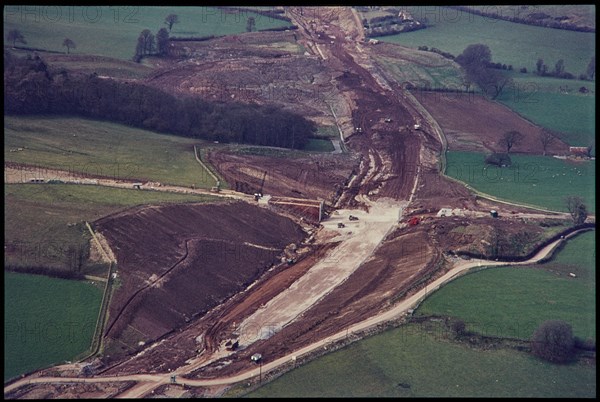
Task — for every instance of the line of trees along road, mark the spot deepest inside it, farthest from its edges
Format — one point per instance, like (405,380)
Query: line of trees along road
(31,87)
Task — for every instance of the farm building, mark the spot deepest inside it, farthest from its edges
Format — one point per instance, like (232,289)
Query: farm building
(579,151)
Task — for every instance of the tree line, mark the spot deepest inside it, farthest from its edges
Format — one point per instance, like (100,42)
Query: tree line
(559,70)
(31,87)
(539,19)
(150,45)
(476,61)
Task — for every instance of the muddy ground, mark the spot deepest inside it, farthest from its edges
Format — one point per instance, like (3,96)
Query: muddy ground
(473,123)
(260,68)
(286,173)
(392,154)
(176,262)
(70,391)
(166,254)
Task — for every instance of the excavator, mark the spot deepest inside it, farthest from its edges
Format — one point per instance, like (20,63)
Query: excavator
(259,194)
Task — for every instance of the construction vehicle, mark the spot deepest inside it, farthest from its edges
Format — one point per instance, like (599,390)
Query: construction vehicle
(413,221)
(232,345)
(259,194)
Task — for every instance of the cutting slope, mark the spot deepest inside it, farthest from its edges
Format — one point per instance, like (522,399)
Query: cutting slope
(176,262)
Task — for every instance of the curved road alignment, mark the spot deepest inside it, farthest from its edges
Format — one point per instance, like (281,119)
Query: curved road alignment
(154,380)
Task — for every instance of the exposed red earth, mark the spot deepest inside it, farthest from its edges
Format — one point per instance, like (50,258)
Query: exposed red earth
(194,279)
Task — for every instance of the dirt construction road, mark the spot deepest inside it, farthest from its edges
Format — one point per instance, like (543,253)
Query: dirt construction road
(358,241)
(393,158)
(22,174)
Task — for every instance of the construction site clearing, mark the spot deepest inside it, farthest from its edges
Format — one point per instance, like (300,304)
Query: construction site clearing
(309,245)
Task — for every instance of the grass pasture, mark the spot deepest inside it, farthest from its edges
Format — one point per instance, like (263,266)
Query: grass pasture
(318,145)
(413,361)
(422,69)
(511,43)
(101,65)
(113,30)
(513,302)
(542,181)
(46,320)
(103,148)
(327,132)
(555,104)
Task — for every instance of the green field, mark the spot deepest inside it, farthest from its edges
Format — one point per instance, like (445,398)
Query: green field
(423,69)
(318,145)
(513,44)
(100,65)
(42,221)
(46,321)
(412,361)
(113,30)
(555,104)
(103,148)
(327,132)
(513,302)
(542,181)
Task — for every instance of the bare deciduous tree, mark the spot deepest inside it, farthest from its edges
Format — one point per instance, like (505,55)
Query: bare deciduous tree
(171,20)
(546,138)
(68,43)
(14,36)
(510,139)
(250,24)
